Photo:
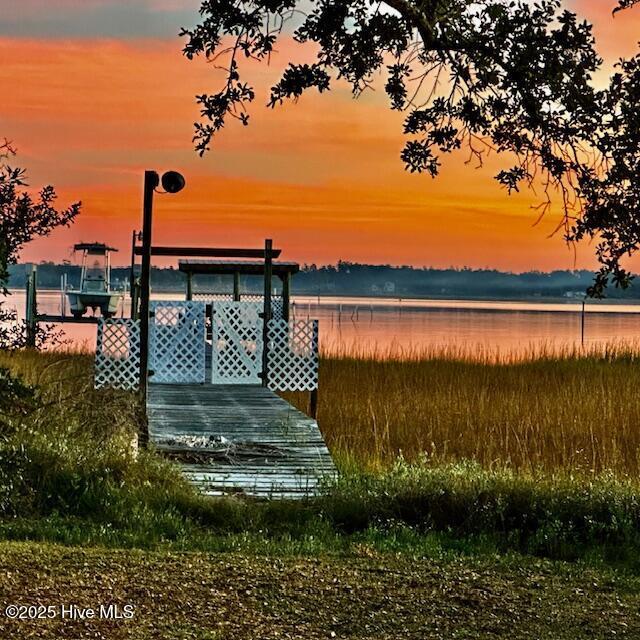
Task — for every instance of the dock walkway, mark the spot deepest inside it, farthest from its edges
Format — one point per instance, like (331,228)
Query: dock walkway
(238,439)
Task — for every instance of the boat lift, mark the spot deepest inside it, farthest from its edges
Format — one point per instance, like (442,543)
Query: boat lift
(95,290)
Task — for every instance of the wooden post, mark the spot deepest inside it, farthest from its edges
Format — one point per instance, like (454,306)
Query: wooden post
(286,294)
(313,394)
(151,181)
(236,286)
(189,286)
(268,266)
(63,296)
(582,322)
(135,299)
(313,403)
(31,308)
(34,304)
(132,274)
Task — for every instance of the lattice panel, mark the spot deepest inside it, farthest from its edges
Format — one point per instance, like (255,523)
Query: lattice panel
(276,303)
(292,355)
(209,296)
(117,362)
(177,342)
(258,297)
(237,343)
(276,308)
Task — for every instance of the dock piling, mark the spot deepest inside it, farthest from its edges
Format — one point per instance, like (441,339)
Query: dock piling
(31,308)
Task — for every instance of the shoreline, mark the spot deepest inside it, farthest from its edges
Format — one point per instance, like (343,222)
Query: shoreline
(461,304)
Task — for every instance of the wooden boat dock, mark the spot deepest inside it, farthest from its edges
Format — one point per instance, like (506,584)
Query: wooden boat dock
(239,439)
(209,369)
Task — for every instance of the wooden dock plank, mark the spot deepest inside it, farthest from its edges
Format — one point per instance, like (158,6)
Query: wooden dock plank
(239,438)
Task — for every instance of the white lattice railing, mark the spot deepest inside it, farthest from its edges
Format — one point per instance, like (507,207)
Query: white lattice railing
(276,303)
(237,343)
(276,309)
(211,296)
(177,342)
(117,363)
(292,355)
(177,348)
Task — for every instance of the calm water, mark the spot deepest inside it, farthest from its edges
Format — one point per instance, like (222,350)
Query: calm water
(366,324)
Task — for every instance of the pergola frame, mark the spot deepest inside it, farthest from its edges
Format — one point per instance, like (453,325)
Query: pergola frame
(264,268)
(281,270)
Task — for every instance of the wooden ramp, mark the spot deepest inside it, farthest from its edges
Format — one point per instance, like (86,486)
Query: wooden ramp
(238,439)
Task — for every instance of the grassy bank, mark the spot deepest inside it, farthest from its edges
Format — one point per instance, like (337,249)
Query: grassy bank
(68,473)
(567,413)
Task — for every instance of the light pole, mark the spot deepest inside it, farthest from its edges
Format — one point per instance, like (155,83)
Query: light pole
(172,182)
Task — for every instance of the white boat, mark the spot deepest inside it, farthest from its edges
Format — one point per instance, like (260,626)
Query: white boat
(95,282)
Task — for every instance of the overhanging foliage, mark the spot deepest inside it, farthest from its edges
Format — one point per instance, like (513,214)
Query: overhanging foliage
(510,76)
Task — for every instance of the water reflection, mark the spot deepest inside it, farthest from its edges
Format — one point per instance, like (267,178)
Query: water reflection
(365,324)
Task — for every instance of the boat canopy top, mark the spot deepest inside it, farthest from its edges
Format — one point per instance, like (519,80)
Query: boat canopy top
(93,247)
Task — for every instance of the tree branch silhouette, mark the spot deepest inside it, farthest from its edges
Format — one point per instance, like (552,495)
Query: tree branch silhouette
(512,77)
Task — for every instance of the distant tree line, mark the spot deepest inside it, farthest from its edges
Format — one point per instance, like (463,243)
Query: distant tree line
(350,278)
(347,278)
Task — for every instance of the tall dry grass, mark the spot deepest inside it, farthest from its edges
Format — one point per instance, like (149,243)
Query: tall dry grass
(574,410)
(67,472)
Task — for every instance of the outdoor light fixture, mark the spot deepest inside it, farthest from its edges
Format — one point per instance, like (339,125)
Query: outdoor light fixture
(172,182)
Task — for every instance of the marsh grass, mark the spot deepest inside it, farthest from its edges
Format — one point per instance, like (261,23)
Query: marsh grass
(69,474)
(575,411)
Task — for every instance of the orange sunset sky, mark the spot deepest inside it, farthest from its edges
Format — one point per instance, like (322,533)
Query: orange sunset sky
(95,91)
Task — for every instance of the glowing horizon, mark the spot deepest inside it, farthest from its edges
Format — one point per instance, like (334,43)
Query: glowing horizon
(323,177)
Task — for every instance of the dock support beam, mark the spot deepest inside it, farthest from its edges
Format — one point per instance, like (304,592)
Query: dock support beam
(313,394)
(236,287)
(134,283)
(286,295)
(313,403)
(31,325)
(135,300)
(151,181)
(132,273)
(189,286)
(268,268)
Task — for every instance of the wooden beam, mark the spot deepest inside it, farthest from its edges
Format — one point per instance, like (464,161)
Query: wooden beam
(132,273)
(135,300)
(31,307)
(313,403)
(207,252)
(236,286)
(189,286)
(313,394)
(227,267)
(267,310)
(286,295)
(151,181)
(47,317)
